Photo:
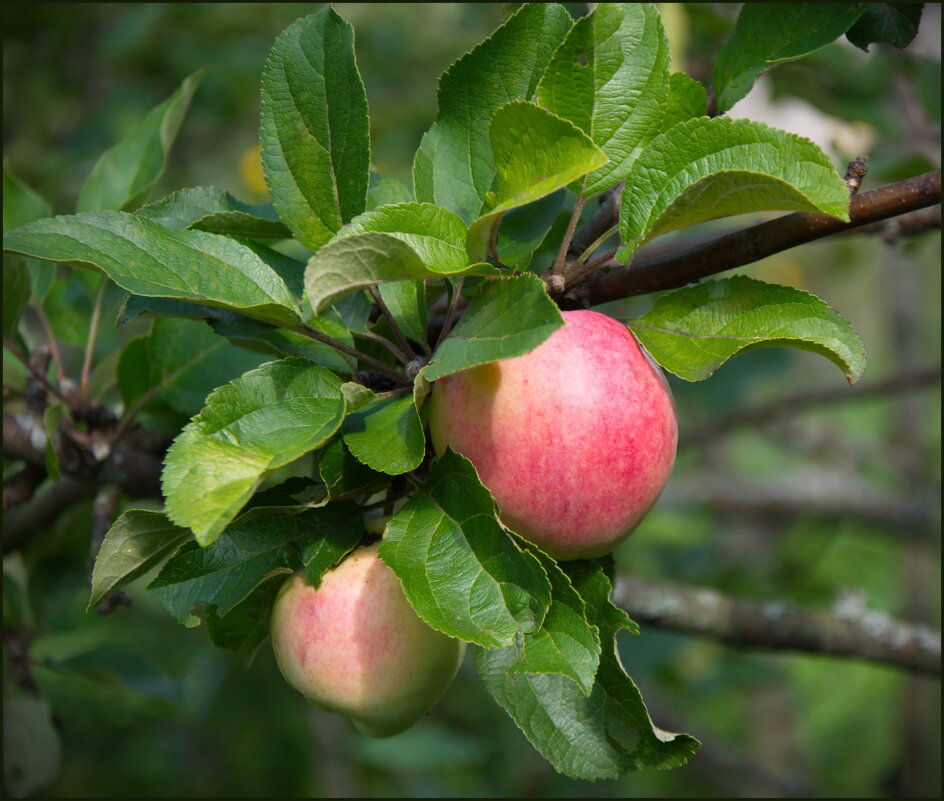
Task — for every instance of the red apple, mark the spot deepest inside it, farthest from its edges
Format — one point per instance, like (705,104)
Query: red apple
(355,646)
(575,440)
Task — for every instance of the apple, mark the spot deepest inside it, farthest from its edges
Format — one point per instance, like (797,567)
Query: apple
(575,440)
(355,646)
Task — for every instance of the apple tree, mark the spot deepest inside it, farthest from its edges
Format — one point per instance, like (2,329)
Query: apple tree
(263,413)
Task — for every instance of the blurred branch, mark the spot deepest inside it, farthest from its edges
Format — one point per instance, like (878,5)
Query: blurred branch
(849,630)
(24,522)
(900,383)
(691,264)
(20,486)
(136,471)
(813,494)
(913,222)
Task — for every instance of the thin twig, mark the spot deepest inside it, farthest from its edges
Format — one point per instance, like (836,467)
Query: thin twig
(15,350)
(450,311)
(324,339)
(385,343)
(53,344)
(92,336)
(593,246)
(558,265)
(408,353)
(605,217)
(848,630)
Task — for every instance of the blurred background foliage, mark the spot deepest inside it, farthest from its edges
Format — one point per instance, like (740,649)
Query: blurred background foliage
(143,707)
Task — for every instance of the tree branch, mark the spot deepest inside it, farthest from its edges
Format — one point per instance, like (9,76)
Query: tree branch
(689,265)
(24,522)
(905,381)
(822,494)
(849,630)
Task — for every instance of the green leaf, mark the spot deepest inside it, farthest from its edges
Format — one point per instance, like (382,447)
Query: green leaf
(188,361)
(293,496)
(226,572)
(610,78)
(253,425)
(288,269)
(127,170)
(454,167)
(315,132)
(693,331)
(147,259)
(281,342)
(506,318)
(687,99)
(16,293)
(344,476)
(386,435)
(536,153)
(460,569)
(245,627)
(705,169)
(601,736)
(340,529)
(435,234)
(252,334)
(354,262)
(523,229)
(774,33)
(406,301)
(207,208)
(894,23)
(32,752)
(565,643)
(137,541)
(22,205)
(133,375)
(386,191)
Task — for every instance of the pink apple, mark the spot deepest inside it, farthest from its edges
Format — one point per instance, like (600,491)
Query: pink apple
(575,440)
(355,646)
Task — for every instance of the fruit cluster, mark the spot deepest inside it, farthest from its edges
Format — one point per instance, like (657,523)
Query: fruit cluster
(575,440)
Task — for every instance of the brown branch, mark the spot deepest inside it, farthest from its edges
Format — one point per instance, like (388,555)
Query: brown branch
(906,381)
(913,222)
(138,472)
(407,351)
(20,486)
(24,522)
(848,630)
(376,364)
(18,440)
(812,493)
(689,265)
